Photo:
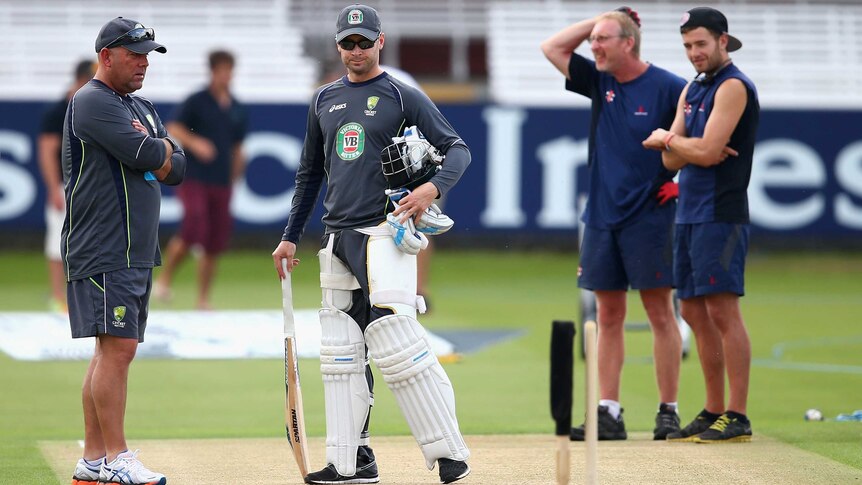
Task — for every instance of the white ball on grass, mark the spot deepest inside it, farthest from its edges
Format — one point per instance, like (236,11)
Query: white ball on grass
(813,415)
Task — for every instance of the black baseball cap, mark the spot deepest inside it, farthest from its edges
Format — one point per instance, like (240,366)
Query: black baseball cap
(357,19)
(711,19)
(130,34)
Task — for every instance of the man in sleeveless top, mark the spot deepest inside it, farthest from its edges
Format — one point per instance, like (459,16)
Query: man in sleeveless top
(711,142)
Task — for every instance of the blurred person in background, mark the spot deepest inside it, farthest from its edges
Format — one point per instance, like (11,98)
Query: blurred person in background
(628,221)
(49,142)
(116,152)
(211,125)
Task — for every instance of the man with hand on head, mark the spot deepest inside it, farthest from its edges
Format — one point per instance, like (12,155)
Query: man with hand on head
(711,142)
(368,252)
(116,153)
(628,221)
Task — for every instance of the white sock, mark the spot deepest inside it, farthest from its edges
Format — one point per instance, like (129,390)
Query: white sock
(613,407)
(672,405)
(94,463)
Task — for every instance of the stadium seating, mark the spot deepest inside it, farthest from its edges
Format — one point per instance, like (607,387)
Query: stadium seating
(42,40)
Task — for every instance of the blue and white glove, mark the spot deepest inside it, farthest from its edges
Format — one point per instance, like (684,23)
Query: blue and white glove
(405,235)
(433,220)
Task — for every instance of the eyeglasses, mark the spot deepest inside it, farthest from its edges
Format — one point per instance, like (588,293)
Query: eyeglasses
(133,36)
(363,44)
(601,39)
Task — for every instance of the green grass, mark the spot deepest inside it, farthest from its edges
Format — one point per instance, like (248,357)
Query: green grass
(812,302)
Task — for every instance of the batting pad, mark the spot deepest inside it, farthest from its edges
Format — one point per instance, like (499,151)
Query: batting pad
(392,277)
(336,280)
(346,394)
(399,347)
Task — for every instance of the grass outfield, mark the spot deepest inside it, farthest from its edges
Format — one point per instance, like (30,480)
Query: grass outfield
(807,305)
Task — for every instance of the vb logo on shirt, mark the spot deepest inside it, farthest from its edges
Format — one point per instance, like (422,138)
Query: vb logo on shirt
(350,142)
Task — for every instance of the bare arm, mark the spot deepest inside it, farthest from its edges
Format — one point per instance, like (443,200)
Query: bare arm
(200,146)
(49,166)
(710,149)
(559,47)
(237,163)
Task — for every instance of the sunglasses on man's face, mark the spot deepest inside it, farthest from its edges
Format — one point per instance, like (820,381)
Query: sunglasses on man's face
(133,36)
(363,44)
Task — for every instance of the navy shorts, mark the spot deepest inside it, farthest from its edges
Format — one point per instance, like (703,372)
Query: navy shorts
(114,303)
(639,255)
(710,258)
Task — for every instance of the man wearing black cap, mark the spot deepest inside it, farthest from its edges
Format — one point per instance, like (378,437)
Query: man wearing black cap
(628,220)
(368,272)
(712,142)
(115,153)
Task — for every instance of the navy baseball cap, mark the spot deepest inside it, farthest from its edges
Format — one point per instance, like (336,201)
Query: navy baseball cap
(130,34)
(712,20)
(357,19)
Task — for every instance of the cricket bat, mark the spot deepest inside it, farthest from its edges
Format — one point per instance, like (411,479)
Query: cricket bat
(562,378)
(294,421)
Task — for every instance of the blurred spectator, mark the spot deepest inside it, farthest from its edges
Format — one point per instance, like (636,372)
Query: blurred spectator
(50,139)
(211,125)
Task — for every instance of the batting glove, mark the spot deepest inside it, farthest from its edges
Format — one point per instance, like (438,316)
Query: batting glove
(405,235)
(631,13)
(667,192)
(432,222)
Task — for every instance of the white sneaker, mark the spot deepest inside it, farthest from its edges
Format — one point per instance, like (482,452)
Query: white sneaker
(85,474)
(126,469)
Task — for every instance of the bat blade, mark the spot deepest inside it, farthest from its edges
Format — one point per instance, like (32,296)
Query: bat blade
(294,416)
(294,421)
(562,363)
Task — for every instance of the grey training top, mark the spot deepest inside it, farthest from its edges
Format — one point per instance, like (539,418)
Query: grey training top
(348,126)
(112,197)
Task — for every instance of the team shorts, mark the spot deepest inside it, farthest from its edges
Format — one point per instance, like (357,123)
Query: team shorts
(206,221)
(639,255)
(114,303)
(53,229)
(709,258)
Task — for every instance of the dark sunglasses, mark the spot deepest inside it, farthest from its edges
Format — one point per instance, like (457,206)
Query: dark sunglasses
(363,44)
(133,36)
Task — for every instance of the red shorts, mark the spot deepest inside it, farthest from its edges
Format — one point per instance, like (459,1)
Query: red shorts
(207,221)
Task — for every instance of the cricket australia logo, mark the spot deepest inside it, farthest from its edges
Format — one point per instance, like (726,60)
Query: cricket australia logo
(119,314)
(354,17)
(350,142)
(371,104)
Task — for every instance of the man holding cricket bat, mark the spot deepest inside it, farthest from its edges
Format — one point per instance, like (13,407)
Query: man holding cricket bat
(363,137)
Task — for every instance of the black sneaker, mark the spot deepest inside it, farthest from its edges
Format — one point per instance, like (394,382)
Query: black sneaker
(726,429)
(610,429)
(366,470)
(666,422)
(701,423)
(452,470)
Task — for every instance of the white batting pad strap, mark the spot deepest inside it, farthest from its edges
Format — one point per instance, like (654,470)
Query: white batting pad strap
(336,280)
(387,297)
(400,348)
(346,394)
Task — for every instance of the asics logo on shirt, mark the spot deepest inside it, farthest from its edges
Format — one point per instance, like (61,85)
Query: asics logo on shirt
(336,107)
